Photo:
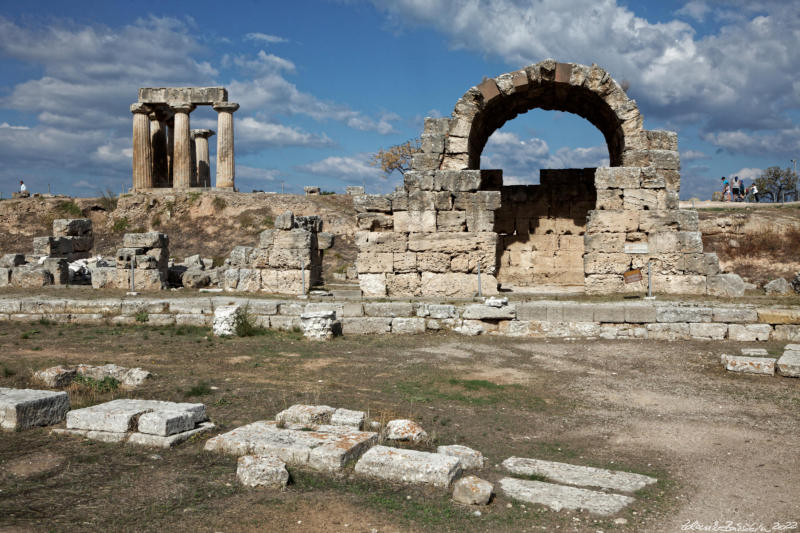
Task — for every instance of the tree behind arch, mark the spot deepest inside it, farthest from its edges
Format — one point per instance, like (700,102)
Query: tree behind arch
(397,157)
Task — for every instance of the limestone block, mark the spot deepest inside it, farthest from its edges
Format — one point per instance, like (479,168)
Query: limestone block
(286,281)
(675,241)
(778,286)
(12,260)
(481,200)
(610,199)
(407,284)
(785,332)
(779,316)
(78,244)
(479,220)
(640,199)
(30,277)
(419,221)
(451,221)
(575,312)
(290,258)
(225,319)
(408,326)
(443,201)
(284,221)
(584,476)
(22,409)
(195,279)
(708,331)
(734,315)
(349,418)
(52,246)
(312,223)
(262,471)
(604,242)
(372,285)
(676,313)
(74,227)
(305,415)
(606,263)
(488,312)
(676,284)
(165,423)
(318,325)
(372,202)
(472,490)
(612,222)
(458,180)
(409,466)
(370,263)
(266,239)
(457,284)
(668,332)
(789,364)
(652,179)
(470,459)
(389,309)
(230,279)
(55,377)
(604,283)
(58,268)
(433,262)
(325,240)
(748,364)
(749,332)
(374,221)
(436,311)
(663,220)
(240,256)
(451,242)
(559,497)
(152,239)
(249,280)
(404,262)
(370,241)
(415,180)
(366,325)
(402,429)
(725,285)
(471,327)
(617,178)
(293,239)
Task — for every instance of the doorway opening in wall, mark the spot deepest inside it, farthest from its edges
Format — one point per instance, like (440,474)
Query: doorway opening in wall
(548,160)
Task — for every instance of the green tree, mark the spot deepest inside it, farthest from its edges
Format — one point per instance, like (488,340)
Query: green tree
(397,157)
(775,181)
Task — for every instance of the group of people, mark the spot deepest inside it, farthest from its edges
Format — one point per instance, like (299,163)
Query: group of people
(737,191)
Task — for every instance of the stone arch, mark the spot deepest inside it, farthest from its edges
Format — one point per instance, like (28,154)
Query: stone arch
(587,91)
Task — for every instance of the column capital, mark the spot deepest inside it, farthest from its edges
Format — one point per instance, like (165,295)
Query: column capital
(139,107)
(160,113)
(202,133)
(225,106)
(182,107)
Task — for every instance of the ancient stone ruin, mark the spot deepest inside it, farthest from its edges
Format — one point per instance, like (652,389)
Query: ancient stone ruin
(454,224)
(147,253)
(166,152)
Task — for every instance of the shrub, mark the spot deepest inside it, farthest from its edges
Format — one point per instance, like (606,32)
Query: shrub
(107,200)
(245,324)
(120,225)
(142,316)
(219,203)
(107,384)
(201,389)
(68,207)
(155,222)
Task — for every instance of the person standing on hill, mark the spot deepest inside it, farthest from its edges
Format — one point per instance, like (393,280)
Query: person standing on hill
(735,188)
(754,192)
(725,189)
(22,187)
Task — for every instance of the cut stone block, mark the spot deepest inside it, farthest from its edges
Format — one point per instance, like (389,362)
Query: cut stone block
(159,441)
(585,476)
(262,471)
(326,448)
(409,466)
(748,364)
(402,429)
(305,415)
(225,317)
(122,415)
(318,325)
(755,352)
(56,376)
(346,417)
(749,332)
(165,423)
(789,364)
(559,497)
(489,312)
(472,490)
(470,459)
(26,408)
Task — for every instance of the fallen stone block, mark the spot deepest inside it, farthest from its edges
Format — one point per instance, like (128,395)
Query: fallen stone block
(472,490)
(72,227)
(346,417)
(789,364)
(122,415)
(470,459)
(165,423)
(402,429)
(56,376)
(749,332)
(158,441)
(152,239)
(778,287)
(748,364)
(559,497)
(755,352)
(12,260)
(318,325)
(409,466)
(225,318)
(325,448)
(585,476)
(262,471)
(26,408)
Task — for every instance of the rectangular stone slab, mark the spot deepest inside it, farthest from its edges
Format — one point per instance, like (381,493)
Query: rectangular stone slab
(326,448)
(748,364)
(559,497)
(585,476)
(26,408)
(165,423)
(169,441)
(121,415)
(789,364)
(409,466)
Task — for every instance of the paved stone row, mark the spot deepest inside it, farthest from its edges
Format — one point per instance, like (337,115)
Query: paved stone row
(552,319)
(757,361)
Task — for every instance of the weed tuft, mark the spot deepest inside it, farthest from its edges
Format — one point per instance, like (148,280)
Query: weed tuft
(28,334)
(107,384)
(142,316)
(69,208)
(120,225)
(201,389)
(245,324)
(219,203)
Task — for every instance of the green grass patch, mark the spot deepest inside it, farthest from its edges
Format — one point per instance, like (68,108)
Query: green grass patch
(142,316)
(28,334)
(8,372)
(68,208)
(201,389)
(107,384)
(470,391)
(120,225)
(219,203)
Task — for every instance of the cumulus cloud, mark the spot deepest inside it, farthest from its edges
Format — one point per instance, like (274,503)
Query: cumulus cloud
(693,155)
(741,76)
(695,9)
(352,169)
(265,37)
(748,173)
(252,133)
(785,141)
(521,159)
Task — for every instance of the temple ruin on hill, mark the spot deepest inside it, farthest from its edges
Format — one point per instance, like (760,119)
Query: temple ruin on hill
(166,152)
(454,224)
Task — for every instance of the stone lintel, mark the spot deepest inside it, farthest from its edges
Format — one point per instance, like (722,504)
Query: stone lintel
(193,95)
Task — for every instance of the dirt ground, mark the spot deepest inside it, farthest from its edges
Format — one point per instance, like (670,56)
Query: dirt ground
(724,447)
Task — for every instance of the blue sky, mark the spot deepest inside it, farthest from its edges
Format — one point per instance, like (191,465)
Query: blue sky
(323,84)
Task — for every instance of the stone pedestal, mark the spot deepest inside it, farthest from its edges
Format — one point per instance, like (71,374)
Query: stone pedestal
(182,151)
(225,156)
(142,154)
(202,160)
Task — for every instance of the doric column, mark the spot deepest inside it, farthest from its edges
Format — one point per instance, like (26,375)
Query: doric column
(203,163)
(142,153)
(158,143)
(225,165)
(193,150)
(182,150)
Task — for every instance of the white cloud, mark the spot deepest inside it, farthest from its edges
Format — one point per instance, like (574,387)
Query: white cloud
(693,155)
(696,9)
(7,126)
(253,133)
(256,174)
(784,141)
(748,174)
(256,36)
(353,169)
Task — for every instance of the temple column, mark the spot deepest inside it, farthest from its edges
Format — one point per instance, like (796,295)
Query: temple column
(170,148)
(182,151)
(142,152)
(158,143)
(193,148)
(225,163)
(203,161)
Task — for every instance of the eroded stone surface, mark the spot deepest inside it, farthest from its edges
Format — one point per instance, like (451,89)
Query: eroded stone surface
(262,471)
(409,466)
(584,476)
(326,448)
(26,408)
(61,376)
(789,363)
(472,490)
(121,416)
(402,429)
(470,459)
(318,325)
(305,415)
(559,497)
(225,317)
(748,364)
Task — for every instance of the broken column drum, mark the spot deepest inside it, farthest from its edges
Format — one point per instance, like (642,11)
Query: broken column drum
(454,225)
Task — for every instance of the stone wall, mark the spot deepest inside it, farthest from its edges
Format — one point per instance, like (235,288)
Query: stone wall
(542,318)
(147,253)
(540,229)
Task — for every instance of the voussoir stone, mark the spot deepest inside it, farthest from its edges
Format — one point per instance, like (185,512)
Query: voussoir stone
(472,490)
(409,466)
(262,471)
